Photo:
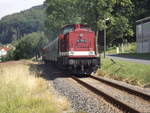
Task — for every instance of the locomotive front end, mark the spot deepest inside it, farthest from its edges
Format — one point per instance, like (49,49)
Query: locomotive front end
(80,50)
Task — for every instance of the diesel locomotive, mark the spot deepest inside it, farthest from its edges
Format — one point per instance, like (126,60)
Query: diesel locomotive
(73,50)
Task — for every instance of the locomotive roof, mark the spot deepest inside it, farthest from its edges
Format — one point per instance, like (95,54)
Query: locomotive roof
(75,25)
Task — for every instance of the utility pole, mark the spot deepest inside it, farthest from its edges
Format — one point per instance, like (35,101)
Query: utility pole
(105,36)
(105,39)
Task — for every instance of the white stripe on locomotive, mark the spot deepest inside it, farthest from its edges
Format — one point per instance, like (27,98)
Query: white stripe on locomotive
(77,53)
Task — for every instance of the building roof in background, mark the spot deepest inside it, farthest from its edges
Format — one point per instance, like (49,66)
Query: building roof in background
(4,48)
(147,19)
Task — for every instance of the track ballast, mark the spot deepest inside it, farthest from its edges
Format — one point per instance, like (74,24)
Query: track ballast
(124,98)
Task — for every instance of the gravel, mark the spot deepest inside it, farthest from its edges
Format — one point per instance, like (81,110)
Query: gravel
(80,98)
(137,88)
(122,95)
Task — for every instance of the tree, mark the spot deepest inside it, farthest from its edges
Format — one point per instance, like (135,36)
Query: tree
(121,27)
(122,15)
(27,47)
(94,12)
(118,12)
(141,9)
(59,14)
(15,26)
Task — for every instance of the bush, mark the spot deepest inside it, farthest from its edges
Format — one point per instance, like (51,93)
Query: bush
(27,47)
(9,56)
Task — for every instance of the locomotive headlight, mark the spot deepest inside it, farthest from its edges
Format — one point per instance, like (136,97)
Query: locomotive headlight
(81,35)
(91,53)
(71,53)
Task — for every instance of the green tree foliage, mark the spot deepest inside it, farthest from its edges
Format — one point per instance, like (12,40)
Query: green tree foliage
(141,9)
(93,13)
(15,26)
(120,28)
(60,13)
(118,13)
(9,56)
(119,31)
(28,46)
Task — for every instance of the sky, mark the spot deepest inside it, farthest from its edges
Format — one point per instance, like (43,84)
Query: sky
(8,7)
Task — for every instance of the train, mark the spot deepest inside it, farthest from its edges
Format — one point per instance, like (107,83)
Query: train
(74,50)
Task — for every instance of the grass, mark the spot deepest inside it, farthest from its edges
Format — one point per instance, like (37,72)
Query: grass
(133,73)
(129,51)
(128,48)
(22,92)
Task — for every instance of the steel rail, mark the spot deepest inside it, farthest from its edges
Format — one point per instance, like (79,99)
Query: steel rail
(127,89)
(118,103)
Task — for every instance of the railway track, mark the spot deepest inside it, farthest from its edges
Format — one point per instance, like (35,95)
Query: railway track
(124,98)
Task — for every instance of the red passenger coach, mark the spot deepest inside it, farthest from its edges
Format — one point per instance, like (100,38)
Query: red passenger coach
(74,50)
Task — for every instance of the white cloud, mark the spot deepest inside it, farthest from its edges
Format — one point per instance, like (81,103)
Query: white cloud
(13,6)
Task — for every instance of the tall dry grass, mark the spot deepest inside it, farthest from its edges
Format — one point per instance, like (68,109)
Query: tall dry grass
(22,92)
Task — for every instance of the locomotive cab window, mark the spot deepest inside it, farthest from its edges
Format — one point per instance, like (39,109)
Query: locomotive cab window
(67,29)
(85,27)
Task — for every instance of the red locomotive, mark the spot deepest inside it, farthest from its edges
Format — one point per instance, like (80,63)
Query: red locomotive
(74,50)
